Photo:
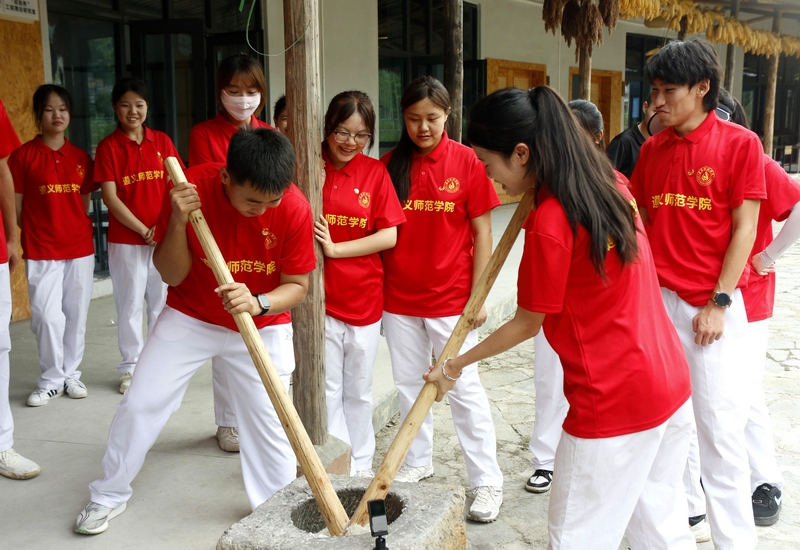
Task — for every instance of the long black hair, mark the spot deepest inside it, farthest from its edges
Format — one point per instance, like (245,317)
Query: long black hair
(565,162)
(399,167)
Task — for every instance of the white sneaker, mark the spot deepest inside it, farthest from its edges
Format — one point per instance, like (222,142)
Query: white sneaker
(74,388)
(94,518)
(42,396)
(410,474)
(701,529)
(15,466)
(125,382)
(228,439)
(369,474)
(486,505)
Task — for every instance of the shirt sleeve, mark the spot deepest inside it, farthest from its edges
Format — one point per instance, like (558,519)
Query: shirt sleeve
(297,255)
(637,177)
(748,181)
(482,195)
(8,137)
(388,212)
(87,186)
(104,163)
(546,259)
(784,191)
(618,153)
(18,172)
(199,146)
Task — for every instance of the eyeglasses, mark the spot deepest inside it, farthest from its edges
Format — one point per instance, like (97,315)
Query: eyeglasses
(342,137)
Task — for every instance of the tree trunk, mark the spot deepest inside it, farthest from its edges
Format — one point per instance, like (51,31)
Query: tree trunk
(730,56)
(585,74)
(772,80)
(303,90)
(454,63)
(684,25)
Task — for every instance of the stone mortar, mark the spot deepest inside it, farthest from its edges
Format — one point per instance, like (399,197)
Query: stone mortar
(422,516)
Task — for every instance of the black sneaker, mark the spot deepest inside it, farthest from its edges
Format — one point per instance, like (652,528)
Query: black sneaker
(539,482)
(766,504)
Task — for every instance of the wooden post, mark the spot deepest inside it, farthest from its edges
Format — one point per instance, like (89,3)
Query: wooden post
(379,487)
(303,93)
(772,81)
(585,74)
(333,512)
(730,55)
(684,25)
(454,63)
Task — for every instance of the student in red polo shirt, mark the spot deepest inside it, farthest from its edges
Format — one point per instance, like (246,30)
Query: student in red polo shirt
(587,277)
(241,91)
(53,182)
(12,464)
(440,254)
(129,168)
(360,217)
(699,183)
(263,226)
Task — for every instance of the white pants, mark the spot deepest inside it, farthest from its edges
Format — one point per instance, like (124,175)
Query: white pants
(758,431)
(551,405)
(6,420)
(695,496)
(605,485)
(721,399)
(350,353)
(174,351)
(410,341)
(134,278)
(224,415)
(60,292)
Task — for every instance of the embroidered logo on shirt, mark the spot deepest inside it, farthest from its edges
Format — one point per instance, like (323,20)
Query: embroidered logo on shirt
(160,158)
(271,241)
(451,185)
(363,199)
(705,176)
(81,172)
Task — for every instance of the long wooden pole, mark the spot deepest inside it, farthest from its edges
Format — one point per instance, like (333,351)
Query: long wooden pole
(772,83)
(585,74)
(730,55)
(303,93)
(397,452)
(329,505)
(454,63)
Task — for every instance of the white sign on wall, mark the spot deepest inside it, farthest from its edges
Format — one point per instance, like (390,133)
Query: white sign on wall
(20,10)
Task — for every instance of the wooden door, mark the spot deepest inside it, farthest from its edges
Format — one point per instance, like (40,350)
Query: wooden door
(606,94)
(512,74)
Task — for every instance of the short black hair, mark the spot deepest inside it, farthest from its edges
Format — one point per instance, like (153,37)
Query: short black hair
(262,157)
(125,85)
(280,105)
(688,63)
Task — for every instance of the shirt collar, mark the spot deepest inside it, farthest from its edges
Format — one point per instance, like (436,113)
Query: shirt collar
(149,135)
(439,151)
(349,169)
(696,135)
(44,148)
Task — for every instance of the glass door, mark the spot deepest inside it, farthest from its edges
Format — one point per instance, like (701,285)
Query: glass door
(169,55)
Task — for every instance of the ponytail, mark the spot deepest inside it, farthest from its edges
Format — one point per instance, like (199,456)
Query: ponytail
(399,166)
(565,162)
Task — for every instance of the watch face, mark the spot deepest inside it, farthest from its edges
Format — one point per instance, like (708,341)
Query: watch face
(263,301)
(722,299)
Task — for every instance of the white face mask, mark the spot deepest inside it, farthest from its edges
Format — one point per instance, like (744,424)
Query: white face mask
(240,107)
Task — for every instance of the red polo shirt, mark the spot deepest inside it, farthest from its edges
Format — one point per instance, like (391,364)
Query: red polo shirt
(8,142)
(690,187)
(257,249)
(209,140)
(357,200)
(429,272)
(54,223)
(138,170)
(783,192)
(624,367)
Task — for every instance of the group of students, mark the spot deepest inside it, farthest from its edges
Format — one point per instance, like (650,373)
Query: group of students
(638,290)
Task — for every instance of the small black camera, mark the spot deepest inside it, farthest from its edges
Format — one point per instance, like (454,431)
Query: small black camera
(378,524)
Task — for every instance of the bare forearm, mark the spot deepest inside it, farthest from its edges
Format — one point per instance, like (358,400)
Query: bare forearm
(741,244)
(8,203)
(121,212)
(286,297)
(482,246)
(172,257)
(380,240)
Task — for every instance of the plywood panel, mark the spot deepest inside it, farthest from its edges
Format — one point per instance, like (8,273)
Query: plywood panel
(22,71)
(499,73)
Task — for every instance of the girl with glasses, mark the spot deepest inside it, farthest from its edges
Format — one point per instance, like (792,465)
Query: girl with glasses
(360,217)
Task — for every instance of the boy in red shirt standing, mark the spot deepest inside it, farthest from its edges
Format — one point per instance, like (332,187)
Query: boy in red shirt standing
(264,229)
(699,184)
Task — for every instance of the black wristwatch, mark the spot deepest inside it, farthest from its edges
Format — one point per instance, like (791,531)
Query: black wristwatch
(263,301)
(722,299)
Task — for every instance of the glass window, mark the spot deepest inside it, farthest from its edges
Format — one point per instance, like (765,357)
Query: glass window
(390,24)
(226,17)
(189,9)
(390,85)
(418,27)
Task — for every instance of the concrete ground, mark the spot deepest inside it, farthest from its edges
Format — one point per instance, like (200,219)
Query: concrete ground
(189,491)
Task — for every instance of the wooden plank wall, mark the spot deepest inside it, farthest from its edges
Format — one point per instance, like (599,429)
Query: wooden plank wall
(22,68)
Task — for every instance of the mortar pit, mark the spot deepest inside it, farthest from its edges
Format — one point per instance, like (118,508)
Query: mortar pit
(307,516)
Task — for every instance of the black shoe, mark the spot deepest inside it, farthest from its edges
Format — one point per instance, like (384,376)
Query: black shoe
(539,482)
(766,504)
